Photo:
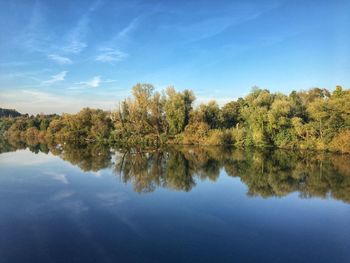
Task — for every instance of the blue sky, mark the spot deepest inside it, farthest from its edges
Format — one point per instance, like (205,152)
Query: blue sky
(59,56)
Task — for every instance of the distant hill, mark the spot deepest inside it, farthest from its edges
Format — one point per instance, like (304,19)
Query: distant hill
(9,113)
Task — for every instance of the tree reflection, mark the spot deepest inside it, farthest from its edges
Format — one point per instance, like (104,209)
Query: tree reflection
(89,157)
(270,173)
(143,170)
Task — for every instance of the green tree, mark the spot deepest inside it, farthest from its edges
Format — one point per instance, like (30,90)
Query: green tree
(178,107)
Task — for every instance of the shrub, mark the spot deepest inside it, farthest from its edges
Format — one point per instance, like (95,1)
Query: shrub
(341,142)
(219,137)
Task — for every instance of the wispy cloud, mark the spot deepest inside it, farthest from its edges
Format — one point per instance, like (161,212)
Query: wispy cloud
(56,78)
(38,37)
(123,35)
(60,59)
(75,38)
(74,46)
(129,28)
(111,55)
(59,196)
(95,82)
(32,37)
(14,63)
(92,83)
(24,74)
(209,28)
(75,43)
(207,25)
(204,29)
(58,176)
(109,81)
(109,52)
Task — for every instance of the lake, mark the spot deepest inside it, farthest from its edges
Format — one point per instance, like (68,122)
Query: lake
(185,204)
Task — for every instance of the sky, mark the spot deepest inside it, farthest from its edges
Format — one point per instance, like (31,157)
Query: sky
(60,56)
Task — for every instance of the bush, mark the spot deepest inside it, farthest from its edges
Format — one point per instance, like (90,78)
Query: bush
(341,142)
(219,137)
(238,137)
(196,133)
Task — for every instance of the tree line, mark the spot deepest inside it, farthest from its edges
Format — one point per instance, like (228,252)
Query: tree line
(9,113)
(315,119)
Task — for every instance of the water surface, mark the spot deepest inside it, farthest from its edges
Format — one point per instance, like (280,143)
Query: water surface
(95,204)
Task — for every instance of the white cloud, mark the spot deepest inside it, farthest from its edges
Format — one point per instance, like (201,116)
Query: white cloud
(111,55)
(129,28)
(29,74)
(75,46)
(58,176)
(60,59)
(32,36)
(56,78)
(211,26)
(62,195)
(77,34)
(95,82)
(92,83)
(37,36)
(109,81)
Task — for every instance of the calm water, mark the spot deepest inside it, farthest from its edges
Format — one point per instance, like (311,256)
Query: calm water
(93,204)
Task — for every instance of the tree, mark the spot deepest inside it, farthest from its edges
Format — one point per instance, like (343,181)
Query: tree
(178,107)
(140,119)
(211,114)
(230,114)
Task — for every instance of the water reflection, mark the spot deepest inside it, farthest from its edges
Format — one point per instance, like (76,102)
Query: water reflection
(266,173)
